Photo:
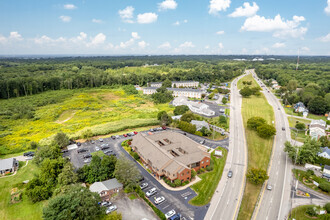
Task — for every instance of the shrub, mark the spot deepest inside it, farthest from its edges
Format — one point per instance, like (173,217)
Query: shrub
(193,173)
(136,156)
(254,122)
(266,131)
(325,186)
(327,207)
(257,176)
(202,170)
(180,110)
(311,211)
(187,117)
(186,126)
(199,133)
(177,182)
(310,172)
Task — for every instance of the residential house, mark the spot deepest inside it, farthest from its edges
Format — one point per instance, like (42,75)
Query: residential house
(194,106)
(106,188)
(325,152)
(184,84)
(326,171)
(200,124)
(170,154)
(190,93)
(155,84)
(176,117)
(9,165)
(299,107)
(317,129)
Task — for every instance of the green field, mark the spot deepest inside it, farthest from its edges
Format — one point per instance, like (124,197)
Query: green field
(24,209)
(259,149)
(299,213)
(298,135)
(206,187)
(103,110)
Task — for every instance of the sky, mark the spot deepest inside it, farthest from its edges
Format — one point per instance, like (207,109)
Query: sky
(161,27)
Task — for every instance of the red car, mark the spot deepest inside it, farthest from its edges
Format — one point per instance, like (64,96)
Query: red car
(125,135)
(164,127)
(135,132)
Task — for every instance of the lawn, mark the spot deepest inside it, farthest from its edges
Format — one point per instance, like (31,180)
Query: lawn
(25,208)
(298,135)
(289,111)
(206,187)
(259,149)
(299,213)
(103,110)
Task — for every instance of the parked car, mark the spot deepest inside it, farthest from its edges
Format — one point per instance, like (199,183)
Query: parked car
(129,134)
(117,136)
(88,160)
(176,217)
(151,192)
(141,178)
(283,128)
(29,154)
(170,214)
(97,148)
(111,209)
(82,150)
(87,156)
(278,108)
(159,200)
(78,144)
(132,134)
(202,142)
(164,128)
(152,130)
(104,147)
(269,187)
(93,142)
(135,132)
(101,139)
(113,137)
(144,185)
(125,135)
(230,174)
(108,151)
(64,151)
(106,204)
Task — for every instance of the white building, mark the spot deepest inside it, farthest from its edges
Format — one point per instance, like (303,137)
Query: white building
(196,107)
(155,84)
(200,124)
(190,93)
(180,84)
(149,90)
(317,129)
(325,153)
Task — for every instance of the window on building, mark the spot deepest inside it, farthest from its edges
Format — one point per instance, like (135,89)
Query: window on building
(202,162)
(207,160)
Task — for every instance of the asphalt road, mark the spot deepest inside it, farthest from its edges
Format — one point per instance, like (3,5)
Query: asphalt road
(227,198)
(275,204)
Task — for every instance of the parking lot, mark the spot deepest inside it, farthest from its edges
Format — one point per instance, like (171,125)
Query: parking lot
(177,200)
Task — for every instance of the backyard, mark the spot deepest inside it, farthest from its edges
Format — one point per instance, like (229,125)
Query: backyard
(103,110)
(299,213)
(206,187)
(259,149)
(295,134)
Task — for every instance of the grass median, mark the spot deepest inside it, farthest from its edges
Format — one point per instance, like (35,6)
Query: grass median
(259,149)
(206,187)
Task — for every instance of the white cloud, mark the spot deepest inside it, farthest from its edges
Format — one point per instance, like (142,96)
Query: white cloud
(3,39)
(220,32)
(135,35)
(47,40)
(278,45)
(99,21)
(177,23)
(185,21)
(65,18)
(165,45)
(127,14)
(14,35)
(97,40)
(147,18)
(142,44)
(69,6)
(325,38)
(246,11)
(220,45)
(167,4)
(126,44)
(187,44)
(218,5)
(327,9)
(207,47)
(280,27)
(306,49)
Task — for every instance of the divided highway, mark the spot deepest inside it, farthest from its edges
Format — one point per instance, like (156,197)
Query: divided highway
(275,204)
(227,198)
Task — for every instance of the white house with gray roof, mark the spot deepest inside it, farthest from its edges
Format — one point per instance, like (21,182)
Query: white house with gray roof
(317,129)
(200,124)
(8,165)
(196,107)
(106,188)
(325,153)
(181,84)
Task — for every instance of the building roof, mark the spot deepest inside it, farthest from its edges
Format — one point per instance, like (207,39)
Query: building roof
(318,123)
(184,81)
(7,164)
(151,88)
(325,149)
(185,90)
(326,167)
(168,151)
(105,185)
(200,124)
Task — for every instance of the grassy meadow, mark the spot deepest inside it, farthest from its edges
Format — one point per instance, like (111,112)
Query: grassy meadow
(259,149)
(103,110)
(25,208)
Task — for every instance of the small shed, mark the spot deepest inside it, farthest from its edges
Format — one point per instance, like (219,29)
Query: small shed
(218,153)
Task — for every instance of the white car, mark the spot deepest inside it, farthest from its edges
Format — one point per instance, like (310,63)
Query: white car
(151,192)
(144,185)
(88,160)
(106,204)
(269,187)
(170,214)
(111,209)
(159,200)
(97,148)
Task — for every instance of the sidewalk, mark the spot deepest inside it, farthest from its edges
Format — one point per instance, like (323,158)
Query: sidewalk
(196,180)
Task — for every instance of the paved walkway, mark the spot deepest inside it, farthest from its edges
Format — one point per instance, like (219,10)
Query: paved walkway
(197,179)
